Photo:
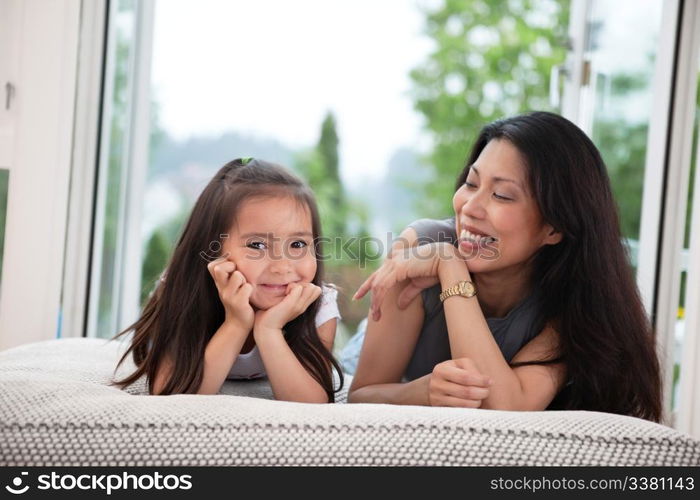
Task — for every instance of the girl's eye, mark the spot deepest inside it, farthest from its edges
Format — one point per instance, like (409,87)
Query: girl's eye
(469,184)
(299,244)
(258,245)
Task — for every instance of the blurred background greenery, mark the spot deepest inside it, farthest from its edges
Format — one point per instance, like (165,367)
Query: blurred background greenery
(487,60)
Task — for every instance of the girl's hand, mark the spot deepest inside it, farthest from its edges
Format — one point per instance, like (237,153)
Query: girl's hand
(418,264)
(299,297)
(234,293)
(457,382)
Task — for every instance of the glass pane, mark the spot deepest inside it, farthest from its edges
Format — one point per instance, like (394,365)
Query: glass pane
(622,44)
(680,322)
(4,184)
(112,179)
(375,103)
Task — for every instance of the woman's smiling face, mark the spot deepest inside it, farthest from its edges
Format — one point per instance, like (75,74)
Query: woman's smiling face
(498,222)
(272,245)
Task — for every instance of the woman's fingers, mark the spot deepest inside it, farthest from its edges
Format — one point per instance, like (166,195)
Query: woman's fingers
(468,377)
(458,380)
(471,392)
(379,293)
(410,292)
(454,402)
(364,287)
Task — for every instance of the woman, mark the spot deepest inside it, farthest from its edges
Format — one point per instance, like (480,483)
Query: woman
(535,307)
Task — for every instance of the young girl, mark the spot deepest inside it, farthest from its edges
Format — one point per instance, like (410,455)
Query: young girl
(259,308)
(525,296)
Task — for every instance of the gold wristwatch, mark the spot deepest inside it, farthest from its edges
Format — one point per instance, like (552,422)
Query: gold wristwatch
(463,289)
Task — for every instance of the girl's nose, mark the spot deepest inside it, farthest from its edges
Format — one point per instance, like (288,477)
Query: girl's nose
(281,265)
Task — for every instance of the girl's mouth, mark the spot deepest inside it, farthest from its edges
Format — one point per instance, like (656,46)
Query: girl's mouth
(273,288)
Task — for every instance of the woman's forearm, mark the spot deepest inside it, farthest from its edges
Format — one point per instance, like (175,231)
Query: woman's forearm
(470,337)
(409,393)
(221,352)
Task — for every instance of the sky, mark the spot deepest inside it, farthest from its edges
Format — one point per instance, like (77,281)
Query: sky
(273,68)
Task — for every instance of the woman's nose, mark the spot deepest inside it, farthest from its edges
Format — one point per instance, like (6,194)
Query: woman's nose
(473,206)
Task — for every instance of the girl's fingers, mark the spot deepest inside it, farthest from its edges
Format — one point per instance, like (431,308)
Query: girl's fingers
(246,290)
(294,293)
(236,281)
(220,270)
(311,293)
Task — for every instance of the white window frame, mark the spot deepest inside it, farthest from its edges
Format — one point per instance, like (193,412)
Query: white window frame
(676,181)
(666,174)
(688,415)
(134,168)
(39,180)
(83,172)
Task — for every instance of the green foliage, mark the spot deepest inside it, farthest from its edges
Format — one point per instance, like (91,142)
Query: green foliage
(344,221)
(491,59)
(157,254)
(623,147)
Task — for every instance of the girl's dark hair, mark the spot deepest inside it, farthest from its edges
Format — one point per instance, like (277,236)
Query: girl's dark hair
(588,292)
(185,311)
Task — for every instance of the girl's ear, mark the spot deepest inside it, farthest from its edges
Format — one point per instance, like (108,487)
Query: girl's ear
(553,236)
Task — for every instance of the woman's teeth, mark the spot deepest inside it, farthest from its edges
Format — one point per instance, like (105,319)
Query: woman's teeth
(477,239)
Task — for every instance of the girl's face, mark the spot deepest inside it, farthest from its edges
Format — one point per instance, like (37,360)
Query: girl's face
(497,219)
(271,243)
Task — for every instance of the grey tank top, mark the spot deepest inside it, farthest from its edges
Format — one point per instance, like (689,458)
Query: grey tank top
(511,332)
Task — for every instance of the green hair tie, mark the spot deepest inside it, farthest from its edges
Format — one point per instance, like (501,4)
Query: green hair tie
(245,161)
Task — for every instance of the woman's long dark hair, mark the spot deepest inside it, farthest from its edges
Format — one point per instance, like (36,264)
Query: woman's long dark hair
(589,293)
(185,311)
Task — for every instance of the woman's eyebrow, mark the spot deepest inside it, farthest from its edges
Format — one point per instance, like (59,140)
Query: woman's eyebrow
(499,179)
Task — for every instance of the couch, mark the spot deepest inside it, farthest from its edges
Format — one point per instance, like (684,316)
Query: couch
(58,409)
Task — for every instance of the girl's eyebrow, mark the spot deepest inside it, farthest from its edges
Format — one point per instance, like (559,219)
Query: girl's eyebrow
(269,235)
(498,179)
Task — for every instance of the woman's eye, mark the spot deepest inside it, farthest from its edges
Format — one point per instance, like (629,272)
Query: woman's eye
(469,184)
(501,197)
(299,244)
(258,245)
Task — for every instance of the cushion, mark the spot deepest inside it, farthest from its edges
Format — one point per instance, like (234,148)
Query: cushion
(58,409)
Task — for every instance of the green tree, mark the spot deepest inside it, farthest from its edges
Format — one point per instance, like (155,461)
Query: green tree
(491,59)
(345,221)
(320,167)
(157,254)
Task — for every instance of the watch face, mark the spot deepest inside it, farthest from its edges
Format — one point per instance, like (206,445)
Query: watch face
(466,289)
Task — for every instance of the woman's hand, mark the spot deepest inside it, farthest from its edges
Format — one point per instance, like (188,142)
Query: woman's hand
(234,293)
(418,264)
(457,382)
(299,297)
